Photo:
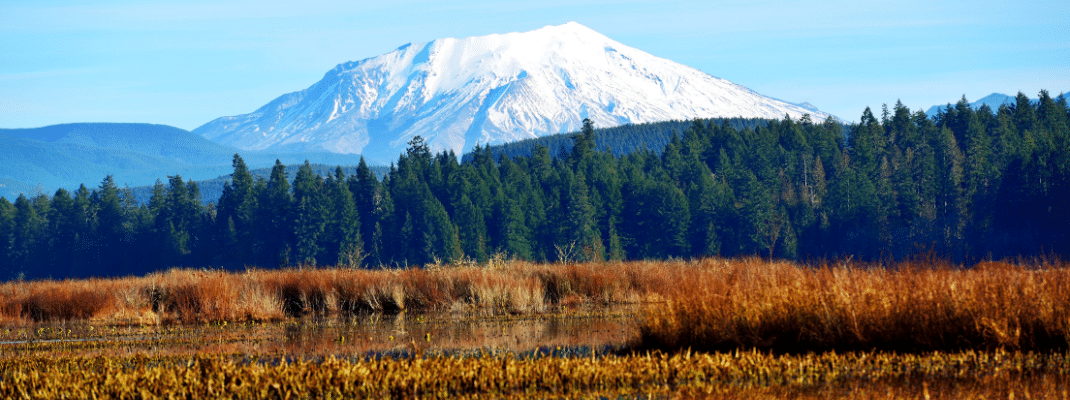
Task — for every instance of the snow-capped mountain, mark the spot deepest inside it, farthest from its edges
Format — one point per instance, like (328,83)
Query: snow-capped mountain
(488,90)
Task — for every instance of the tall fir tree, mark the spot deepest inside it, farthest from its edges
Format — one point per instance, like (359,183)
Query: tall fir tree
(236,215)
(8,269)
(343,228)
(28,231)
(581,228)
(309,214)
(274,242)
(62,234)
(110,232)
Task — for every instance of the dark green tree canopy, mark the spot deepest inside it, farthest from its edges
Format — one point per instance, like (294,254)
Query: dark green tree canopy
(969,184)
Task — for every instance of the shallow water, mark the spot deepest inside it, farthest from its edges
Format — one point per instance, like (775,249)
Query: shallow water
(565,331)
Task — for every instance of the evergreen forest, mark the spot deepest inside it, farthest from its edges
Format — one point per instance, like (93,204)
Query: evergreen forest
(965,185)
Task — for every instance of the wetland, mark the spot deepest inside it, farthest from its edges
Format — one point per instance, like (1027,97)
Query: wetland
(744,328)
(567,331)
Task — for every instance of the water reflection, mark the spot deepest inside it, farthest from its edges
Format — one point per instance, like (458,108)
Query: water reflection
(293,334)
(347,334)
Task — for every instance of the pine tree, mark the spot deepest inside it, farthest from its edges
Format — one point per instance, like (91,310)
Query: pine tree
(615,251)
(887,208)
(949,199)
(446,246)
(762,219)
(419,150)
(178,221)
(426,234)
(673,161)
(1025,117)
(670,218)
(236,216)
(110,232)
(471,229)
(344,223)
(924,174)
(275,235)
(83,213)
(516,237)
(979,179)
(867,145)
(387,222)
(63,235)
(517,224)
(309,217)
(371,201)
(581,229)
(703,239)
(28,227)
(7,231)
(583,145)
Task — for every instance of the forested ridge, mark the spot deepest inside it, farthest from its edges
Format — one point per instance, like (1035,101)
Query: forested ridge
(966,185)
(619,140)
(212,189)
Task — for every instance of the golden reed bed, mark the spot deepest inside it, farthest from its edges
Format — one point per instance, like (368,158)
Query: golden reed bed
(920,330)
(711,304)
(911,307)
(685,375)
(197,296)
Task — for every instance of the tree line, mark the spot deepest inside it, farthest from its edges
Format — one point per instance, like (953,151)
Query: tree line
(967,184)
(619,140)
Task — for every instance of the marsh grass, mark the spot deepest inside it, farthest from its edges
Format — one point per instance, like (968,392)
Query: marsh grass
(198,296)
(743,328)
(651,375)
(708,305)
(910,307)
(47,301)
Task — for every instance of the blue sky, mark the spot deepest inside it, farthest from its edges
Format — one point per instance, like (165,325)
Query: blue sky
(186,63)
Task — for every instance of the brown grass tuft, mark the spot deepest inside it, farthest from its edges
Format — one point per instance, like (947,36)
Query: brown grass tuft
(711,304)
(195,296)
(64,305)
(48,300)
(785,307)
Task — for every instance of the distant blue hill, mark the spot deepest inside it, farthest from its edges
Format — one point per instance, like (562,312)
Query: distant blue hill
(993,101)
(45,159)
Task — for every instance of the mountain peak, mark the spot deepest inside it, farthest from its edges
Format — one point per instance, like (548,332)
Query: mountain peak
(488,90)
(571,28)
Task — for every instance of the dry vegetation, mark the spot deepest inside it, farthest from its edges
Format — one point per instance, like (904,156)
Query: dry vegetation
(911,307)
(743,328)
(686,375)
(195,296)
(711,304)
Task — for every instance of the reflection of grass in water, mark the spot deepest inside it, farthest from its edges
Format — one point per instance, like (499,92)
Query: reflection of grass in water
(710,304)
(479,347)
(313,359)
(319,336)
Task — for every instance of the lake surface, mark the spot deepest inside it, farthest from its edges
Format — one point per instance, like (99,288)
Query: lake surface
(579,330)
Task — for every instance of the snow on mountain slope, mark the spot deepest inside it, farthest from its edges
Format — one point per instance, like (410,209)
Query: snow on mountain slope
(487,90)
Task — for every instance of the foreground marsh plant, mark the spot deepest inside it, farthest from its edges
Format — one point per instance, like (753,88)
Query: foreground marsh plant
(711,328)
(689,375)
